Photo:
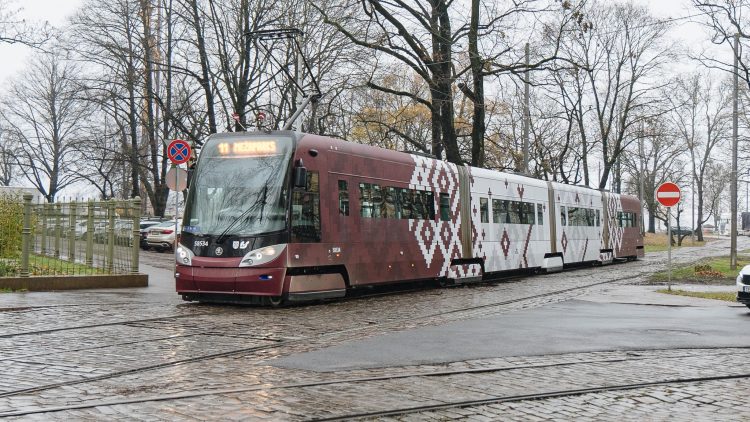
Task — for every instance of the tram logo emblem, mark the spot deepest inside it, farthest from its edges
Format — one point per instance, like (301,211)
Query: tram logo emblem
(240,244)
(219,251)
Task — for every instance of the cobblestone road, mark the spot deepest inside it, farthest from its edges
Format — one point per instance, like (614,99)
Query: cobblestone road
(144,354)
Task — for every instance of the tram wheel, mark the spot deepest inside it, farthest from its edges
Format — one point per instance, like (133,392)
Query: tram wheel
(274,301)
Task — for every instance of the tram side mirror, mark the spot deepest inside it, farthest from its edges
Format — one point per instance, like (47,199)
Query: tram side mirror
(300,175)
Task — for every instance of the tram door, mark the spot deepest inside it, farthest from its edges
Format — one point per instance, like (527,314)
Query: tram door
(306,211)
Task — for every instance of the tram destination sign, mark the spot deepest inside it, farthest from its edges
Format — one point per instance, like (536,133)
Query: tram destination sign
(668,194)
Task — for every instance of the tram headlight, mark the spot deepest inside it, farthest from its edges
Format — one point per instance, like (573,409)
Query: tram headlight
(183,255)
(262,256)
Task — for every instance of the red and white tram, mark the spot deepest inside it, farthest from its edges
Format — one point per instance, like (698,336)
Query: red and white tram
(284,216)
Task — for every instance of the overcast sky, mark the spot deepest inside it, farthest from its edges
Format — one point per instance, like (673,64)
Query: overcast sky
(55,12)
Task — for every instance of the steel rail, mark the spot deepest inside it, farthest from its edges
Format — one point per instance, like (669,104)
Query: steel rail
(524,397)
(414,374)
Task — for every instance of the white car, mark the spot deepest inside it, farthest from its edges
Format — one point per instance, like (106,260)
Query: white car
(161,236)
(743,286)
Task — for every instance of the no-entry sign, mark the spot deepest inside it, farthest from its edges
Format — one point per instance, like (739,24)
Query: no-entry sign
(668,194)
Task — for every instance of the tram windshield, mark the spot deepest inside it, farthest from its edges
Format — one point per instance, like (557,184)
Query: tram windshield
(239,188)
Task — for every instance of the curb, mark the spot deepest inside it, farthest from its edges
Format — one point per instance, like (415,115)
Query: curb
(57,282)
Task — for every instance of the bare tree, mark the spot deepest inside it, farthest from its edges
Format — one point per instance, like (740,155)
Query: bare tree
(717,181)
(45,117)
(7,158)
(702,121)
(724,18)
(16,30)
(622,57)
(420,36)
(662,162)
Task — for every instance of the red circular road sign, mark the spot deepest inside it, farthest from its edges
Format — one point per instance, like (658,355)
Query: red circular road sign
(178,151)
(668,194)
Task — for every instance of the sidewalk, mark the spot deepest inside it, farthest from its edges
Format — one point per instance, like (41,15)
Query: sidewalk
(648,295)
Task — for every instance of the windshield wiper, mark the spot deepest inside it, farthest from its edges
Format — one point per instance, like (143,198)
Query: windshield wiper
(260,201)
(263,202)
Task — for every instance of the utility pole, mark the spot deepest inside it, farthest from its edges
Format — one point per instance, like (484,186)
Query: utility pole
(526,114)
(733,200)
(692,207)
(641,176)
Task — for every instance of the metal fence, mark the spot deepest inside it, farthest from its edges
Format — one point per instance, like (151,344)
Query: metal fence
(78,238)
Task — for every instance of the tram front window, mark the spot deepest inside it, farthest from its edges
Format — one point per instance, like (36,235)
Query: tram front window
(238,195)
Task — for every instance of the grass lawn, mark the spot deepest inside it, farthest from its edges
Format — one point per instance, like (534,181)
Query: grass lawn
(657,242)
(45,265)
(705,271)
(726,296)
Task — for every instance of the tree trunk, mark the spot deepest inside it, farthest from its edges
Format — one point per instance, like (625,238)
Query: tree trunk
(478,124)
(205,80)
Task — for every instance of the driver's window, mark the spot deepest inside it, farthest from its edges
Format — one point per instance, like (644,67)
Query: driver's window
(306,211)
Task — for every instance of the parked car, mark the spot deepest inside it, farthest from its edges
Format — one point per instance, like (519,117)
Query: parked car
(124,232)
(681,231)
(161,236)
(144,229)
(82,229)
(743,286)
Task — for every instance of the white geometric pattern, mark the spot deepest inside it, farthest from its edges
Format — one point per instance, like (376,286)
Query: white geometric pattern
(614,205)
(437,235)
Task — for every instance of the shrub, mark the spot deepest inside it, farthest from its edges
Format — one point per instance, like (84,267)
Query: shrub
(11,225)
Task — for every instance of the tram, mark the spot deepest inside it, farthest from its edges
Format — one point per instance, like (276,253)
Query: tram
(281,216)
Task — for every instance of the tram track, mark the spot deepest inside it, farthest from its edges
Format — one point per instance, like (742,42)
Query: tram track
(277,344)
(104,324)
(348,381)
(525,397)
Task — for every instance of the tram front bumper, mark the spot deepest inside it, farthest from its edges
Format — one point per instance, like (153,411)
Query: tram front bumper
(227,280)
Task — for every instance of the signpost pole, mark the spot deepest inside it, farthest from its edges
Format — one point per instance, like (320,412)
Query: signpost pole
(176,198)
(668,194)
(669,249)
(178,151)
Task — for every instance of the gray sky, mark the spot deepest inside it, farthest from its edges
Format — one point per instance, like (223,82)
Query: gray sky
(55,12)
(14,57)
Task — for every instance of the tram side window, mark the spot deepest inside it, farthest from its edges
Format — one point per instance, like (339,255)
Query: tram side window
(407,203)
(377,201)
(598,219)
(539,215)
(365,200)
(582,217)
(445,207)
(499,211)
(422,204)
(306,211)
(521,212)
(626,219)
(390,201)
(343,198)
(563,216)
(527,213)
(484,212)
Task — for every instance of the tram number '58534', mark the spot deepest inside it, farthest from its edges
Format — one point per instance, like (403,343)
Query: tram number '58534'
(198,243)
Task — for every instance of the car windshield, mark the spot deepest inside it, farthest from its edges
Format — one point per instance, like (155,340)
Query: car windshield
(239,187)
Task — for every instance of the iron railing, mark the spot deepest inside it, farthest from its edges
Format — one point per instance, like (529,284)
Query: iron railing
(77,238)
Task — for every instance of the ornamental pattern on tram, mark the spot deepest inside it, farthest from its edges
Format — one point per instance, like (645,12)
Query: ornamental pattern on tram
(437,237)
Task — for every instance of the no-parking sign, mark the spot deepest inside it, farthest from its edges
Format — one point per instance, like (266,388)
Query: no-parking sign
(178,151)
